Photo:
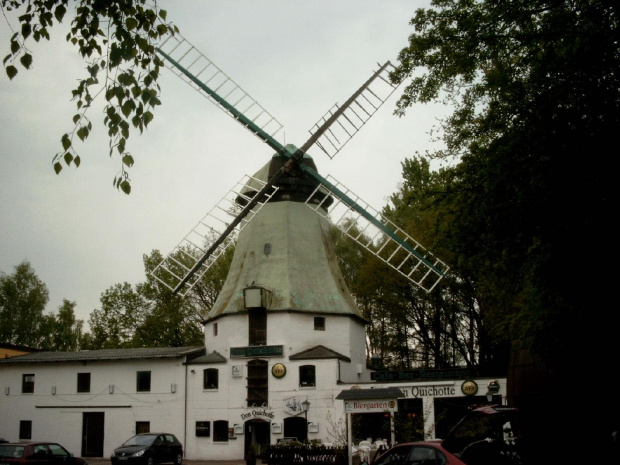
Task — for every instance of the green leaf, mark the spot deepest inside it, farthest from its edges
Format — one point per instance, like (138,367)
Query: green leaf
(11,71)
(148,117)
(14,47)
(131,23)
(77,161)
(128,160)
(59,12)
(163,14)
(26,30)
(68,158)
(26,60)
(66,142)
(57,167)
(126,187)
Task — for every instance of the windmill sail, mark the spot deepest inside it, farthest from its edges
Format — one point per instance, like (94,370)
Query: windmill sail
(378,235)
(330,135)
(343,122)
(187,62)
(212,235)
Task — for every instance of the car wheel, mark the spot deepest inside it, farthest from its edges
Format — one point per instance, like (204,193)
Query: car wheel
(150,461)
(179,459)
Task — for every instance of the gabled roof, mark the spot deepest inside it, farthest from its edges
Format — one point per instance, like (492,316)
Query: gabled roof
(318,352)
(213,357)
(107,354)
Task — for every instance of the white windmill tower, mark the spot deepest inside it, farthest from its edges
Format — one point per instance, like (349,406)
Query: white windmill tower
(284,305)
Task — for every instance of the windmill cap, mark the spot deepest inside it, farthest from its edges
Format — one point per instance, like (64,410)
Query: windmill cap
(295,185)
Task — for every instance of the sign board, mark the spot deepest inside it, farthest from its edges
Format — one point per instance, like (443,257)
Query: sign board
(203,428)
(256,351)
(370,406)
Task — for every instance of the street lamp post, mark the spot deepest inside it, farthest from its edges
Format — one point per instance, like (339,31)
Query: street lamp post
(305,405)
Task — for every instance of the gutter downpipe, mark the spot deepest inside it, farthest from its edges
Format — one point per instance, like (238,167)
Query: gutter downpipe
(185,415)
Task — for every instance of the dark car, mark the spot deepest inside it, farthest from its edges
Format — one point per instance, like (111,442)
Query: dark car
(488,435)
(37,453)
(149,449)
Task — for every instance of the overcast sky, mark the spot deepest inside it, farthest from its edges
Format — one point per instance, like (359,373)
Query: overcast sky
(297,59)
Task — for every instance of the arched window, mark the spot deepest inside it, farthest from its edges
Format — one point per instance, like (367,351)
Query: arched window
(220,431)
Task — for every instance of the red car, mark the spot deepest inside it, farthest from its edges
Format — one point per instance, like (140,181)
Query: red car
(414,453)
(37,453)
(489,435)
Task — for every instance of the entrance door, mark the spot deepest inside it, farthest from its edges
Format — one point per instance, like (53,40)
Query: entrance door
(257,434)
(92,434)
(296,427)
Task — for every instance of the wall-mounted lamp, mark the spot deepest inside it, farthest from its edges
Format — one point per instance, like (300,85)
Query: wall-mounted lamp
(83,363)
(173,388)
(53,390)
(194,372)
(111,389)
(7,390)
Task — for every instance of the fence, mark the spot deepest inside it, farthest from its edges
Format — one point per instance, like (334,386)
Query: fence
(286,454)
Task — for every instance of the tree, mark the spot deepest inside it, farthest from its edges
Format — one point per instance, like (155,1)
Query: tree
(23,297)
(150,315)
(117,41)
(537,95)
(113,326)
(66,331)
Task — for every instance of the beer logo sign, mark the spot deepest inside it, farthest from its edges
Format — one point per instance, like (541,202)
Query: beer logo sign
(278,370)
(469,388)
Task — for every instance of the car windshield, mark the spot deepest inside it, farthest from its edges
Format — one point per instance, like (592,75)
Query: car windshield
(483,426)
(7,450)
(141,440)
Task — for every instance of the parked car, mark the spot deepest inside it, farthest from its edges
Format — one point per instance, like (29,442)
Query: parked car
(488,435)
(414,453)
(149,449)
(3,441)
(37,453)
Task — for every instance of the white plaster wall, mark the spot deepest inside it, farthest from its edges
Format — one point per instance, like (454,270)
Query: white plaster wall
(63,423)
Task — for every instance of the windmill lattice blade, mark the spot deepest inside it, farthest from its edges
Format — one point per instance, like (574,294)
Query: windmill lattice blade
(366,102)
(379,235)
(187,262)
(187,62)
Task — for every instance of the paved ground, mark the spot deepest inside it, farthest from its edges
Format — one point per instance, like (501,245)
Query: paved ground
(106,461)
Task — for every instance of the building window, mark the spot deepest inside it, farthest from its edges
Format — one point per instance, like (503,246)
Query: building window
(258,385)
(220,431)
(25,429)
(215,329)
(143,381)
(210,378)
(307,376)
(143,427)
(257,327)
(319,323)
(28,384)
(83,382)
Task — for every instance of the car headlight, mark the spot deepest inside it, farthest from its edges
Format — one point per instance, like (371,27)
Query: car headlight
(138,454)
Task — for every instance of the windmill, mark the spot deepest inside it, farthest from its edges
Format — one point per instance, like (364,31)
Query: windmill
(292,175)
